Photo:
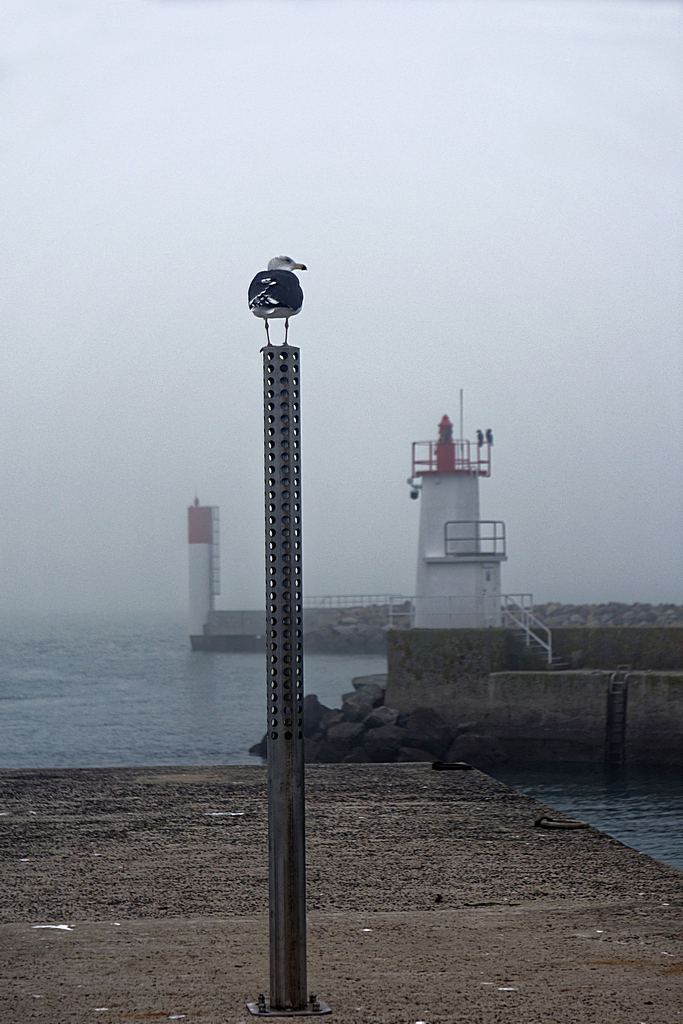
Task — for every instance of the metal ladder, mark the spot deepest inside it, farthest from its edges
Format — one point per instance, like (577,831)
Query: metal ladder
(615,734)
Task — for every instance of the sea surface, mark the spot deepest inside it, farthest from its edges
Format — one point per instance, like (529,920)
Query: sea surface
(641,807)
(91,693)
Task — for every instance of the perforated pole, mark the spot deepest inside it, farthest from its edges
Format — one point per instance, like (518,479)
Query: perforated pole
(285,688)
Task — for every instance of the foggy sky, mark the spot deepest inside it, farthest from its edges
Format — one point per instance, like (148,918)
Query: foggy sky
(487,196)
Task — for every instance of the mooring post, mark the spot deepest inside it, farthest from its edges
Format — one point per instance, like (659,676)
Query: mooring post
(285,689)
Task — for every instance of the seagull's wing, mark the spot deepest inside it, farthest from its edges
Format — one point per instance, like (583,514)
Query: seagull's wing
(276,289)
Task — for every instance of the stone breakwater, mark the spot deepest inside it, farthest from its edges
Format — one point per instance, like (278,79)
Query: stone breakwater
(364,630)
(358,630)
(612,614)
(364,730)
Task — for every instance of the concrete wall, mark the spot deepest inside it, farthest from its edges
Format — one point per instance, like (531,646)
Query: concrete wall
(641,647)
(654,717)
(433,657)
(468,678)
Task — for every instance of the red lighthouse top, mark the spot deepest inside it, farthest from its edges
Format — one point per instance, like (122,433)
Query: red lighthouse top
(449,456)
(200,523)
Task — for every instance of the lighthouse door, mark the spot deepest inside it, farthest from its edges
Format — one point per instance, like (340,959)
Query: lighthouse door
(489,594)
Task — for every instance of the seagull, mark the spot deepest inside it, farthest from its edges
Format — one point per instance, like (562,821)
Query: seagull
(480,439)
(489,436)
(276,292)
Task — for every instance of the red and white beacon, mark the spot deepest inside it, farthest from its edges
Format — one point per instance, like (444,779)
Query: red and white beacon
(459,554)
(204,563)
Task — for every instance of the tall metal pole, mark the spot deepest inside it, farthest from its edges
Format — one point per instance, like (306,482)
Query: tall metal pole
(285,683)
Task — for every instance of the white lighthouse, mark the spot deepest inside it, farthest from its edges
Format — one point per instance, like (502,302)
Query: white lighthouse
(203,538)
(459,554)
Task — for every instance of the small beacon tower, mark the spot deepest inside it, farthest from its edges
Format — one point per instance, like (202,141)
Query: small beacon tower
(203,537)
(459,554)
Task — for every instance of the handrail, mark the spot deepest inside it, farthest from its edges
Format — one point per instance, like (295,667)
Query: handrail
(462,459)
(516,612)
(520,615)
(352,600)
(476,538)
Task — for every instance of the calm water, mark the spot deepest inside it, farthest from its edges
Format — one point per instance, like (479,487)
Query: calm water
(93,694)
(641,807)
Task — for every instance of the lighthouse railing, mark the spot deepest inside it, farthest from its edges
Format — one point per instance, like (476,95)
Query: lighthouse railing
(467,457)
(474,537)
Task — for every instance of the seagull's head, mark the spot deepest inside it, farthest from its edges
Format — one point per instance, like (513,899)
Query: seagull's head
(284,263)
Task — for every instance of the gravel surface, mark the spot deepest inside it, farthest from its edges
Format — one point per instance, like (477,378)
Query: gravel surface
(473,914)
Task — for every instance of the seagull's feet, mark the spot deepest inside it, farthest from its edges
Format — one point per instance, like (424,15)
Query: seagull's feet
(286,329)
(267,345)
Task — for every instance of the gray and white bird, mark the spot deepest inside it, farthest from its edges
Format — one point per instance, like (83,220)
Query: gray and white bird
(275,293)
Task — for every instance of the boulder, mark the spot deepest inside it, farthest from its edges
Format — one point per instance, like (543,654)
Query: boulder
(331,752)
(369,694)
(355,756)
(260,749)
(426,730)
(383,743)
(312,748)
(414,754)
(376,680)
(327,720)
(357,704)
(347,733)
(314,712)
(379,717)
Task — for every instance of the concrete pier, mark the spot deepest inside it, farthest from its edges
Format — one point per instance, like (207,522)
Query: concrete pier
(431,897)
(464,675)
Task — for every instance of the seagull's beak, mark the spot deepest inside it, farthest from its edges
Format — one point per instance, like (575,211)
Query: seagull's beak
(300,266)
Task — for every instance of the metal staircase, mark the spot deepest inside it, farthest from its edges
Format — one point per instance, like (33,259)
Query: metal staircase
(517,615)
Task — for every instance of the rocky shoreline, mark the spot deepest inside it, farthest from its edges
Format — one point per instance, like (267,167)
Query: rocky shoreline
(365,731)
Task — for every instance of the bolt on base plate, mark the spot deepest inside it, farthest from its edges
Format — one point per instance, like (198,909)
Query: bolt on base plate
(313,1008)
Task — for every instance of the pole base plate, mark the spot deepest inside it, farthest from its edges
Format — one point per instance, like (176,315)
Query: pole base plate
(312,1009)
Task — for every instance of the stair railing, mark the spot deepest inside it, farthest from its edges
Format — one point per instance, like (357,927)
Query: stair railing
(517,614)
